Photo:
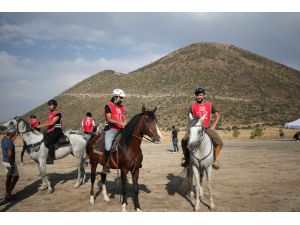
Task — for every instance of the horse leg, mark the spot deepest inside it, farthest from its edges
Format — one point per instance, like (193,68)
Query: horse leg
(124,188)
(208,176)
(83,172)
(103,179)
(93,178)
(79,170)
(45,182)
(197,178)
(201,181)
(135,177)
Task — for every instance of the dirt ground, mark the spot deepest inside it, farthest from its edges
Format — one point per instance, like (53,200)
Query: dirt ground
(255,176)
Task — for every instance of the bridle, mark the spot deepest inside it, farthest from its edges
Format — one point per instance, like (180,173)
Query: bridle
(200,138)
(151,139)
(28,127)
(198,143)
(30,147)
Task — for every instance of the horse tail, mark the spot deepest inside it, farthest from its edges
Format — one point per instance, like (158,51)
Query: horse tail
(188,179)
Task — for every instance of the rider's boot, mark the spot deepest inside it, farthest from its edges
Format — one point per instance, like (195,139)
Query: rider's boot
(217,151)
(51,153)
(186,153)
(106,167)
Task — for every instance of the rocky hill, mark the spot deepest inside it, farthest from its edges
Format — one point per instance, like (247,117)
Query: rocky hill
(247,88)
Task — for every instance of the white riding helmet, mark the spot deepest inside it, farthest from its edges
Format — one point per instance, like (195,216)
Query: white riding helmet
(118,92)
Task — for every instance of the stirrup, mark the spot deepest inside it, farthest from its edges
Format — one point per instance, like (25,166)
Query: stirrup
(185,163)
(106,168)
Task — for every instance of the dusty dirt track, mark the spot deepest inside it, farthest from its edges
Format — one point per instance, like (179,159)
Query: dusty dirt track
(256,175)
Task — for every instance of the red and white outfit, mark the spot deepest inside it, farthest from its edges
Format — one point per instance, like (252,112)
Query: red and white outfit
(87,125)
(58,124)
(117,113)
(200,109)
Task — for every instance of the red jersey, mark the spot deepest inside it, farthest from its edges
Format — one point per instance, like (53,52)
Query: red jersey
(201,109)
(88,124)
(33,122)
(117,113)
(50,118)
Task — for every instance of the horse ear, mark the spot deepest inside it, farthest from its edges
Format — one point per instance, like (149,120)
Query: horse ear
(143,109)
(154,109)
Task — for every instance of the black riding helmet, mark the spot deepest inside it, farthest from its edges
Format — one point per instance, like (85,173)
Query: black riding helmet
(33,116)
(199,90)
(52,102)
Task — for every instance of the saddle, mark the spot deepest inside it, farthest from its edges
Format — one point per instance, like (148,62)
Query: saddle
(62,141)
(98,142)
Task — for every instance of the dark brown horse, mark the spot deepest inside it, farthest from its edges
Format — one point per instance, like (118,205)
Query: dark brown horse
(128,156)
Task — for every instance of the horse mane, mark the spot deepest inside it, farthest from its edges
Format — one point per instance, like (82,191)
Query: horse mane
(128,129)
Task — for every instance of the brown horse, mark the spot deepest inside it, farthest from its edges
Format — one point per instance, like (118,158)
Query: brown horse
(128,156)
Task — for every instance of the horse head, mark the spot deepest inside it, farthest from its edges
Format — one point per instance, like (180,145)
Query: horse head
(150,127)
(9,126)
(16,124)
(196,130)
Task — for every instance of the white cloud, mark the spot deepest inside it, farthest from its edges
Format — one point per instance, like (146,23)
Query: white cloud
(38,81)
(10,66)
(45,31)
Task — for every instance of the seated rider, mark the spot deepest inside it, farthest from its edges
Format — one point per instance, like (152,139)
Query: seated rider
(88,124)
(54,129)
(197,110)
(115,120)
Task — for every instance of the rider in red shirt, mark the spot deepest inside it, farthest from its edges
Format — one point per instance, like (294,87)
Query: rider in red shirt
(197,110)
(88,124)
(115,120)
(54,128)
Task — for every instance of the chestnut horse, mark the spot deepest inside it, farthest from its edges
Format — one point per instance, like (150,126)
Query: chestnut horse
(128,156)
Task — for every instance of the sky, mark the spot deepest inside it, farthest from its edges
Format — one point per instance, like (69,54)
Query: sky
(43,54)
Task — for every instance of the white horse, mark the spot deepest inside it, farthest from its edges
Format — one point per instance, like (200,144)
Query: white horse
(201,152)
(37,150)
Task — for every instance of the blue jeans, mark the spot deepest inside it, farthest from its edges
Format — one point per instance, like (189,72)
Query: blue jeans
(109,137)
(175,145)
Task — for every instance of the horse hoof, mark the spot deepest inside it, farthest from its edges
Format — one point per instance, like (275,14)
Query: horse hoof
(197,208)
(76,186)
(92,200)
(192,195)
(106,198)
(212,207)
(50,191)
(139,210)
(124,207)
(43,188)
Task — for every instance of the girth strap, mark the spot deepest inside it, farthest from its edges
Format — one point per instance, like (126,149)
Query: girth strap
(33,146)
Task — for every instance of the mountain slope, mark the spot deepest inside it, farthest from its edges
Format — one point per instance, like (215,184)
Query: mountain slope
(246,88)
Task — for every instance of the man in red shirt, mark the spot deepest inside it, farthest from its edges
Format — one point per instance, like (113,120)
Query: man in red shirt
(54,129)
(88,124)
(115,120)
(197,110)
